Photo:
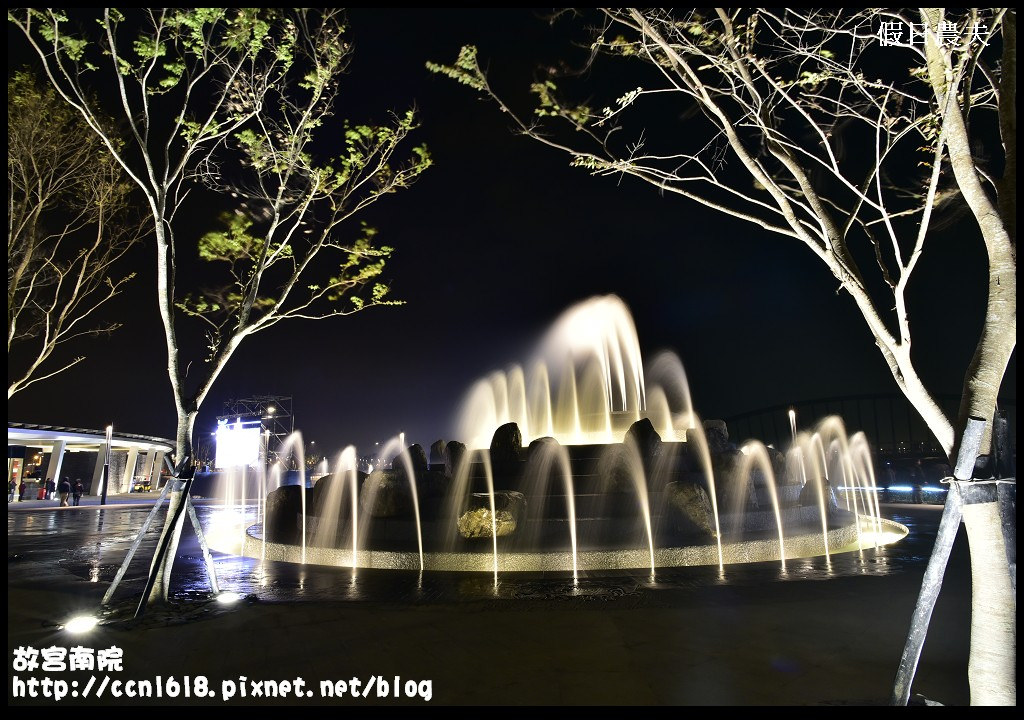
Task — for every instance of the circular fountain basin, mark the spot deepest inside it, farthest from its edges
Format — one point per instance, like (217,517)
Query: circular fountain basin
(873,532)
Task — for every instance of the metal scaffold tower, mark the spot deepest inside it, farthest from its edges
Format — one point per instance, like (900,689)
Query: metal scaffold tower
(273,412)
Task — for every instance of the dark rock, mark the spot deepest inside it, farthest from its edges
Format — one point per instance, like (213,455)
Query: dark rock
(509,501)
(779,467)
(542,444)
(726,465)
(432,490)
(809,495)
(507,443)
(730,486)
(432,484)
(617,468)
(437,452)
(716,432)
(686,457)
(284,507)
(386,494)
(691,507)
(416,457)
(454,453)
(506,455)
(322,490)
(541,454)
(673,462)
(476,521)
(647,441)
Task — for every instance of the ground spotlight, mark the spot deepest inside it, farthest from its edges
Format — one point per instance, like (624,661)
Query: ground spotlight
(81,624)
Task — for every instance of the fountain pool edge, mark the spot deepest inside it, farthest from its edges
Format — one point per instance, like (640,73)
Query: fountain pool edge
(842,539)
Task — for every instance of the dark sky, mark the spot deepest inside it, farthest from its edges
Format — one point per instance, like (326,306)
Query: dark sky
(491,245)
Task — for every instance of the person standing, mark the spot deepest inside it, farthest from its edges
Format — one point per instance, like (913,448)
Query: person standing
(12,487)
(76,492)
(65,492)
(45,489)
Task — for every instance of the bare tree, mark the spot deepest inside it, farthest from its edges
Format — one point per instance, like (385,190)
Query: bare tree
(239,103)
(67,229)
(754,113)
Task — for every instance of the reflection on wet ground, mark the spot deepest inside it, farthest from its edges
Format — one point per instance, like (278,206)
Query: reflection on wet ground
(90,543)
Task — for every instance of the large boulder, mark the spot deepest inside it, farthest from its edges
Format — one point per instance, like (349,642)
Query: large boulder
(454,454)
(327,491)
(646,440)
(733,492)
(541,445)
(478,522)
(716,432)
(506,455)
(619,469)
(779,467)
(284,508)
(386,494)
(691,508)
(414,456)
(336,485)
(809,495)
(437,453)
(685,457)
(432,491)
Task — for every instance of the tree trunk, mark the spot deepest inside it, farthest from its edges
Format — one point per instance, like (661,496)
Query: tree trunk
(996,345)
(992,670)
(162,585)
(992,662)
(992,666)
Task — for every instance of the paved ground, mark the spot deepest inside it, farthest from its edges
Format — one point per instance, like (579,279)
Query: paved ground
(812,635)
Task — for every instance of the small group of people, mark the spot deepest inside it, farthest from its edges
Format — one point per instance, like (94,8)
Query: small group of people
(70,492)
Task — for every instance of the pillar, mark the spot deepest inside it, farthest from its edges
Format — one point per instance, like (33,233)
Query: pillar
(158,465)
(129,470)
(53,466)
(97,473)
(147,466)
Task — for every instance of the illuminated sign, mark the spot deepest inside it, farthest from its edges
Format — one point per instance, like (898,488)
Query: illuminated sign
(238,444)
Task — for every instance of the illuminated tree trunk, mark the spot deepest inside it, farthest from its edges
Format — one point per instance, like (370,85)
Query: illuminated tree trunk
(992,670)
(992,666)
(163,565)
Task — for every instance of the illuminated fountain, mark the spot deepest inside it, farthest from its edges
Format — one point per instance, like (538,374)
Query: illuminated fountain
(587,461)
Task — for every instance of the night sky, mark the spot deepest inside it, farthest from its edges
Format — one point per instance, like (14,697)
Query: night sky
(492,243)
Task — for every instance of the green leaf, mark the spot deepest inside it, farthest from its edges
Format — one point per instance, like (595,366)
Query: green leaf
(466,70)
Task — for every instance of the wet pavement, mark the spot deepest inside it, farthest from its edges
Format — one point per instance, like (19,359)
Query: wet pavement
(812,633)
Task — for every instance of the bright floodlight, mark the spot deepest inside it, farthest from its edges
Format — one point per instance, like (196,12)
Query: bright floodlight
(270,409)
(237,445)
(228,598)
(81,624)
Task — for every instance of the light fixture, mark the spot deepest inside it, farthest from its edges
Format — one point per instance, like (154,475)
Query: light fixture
(228,598)
(81,624)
